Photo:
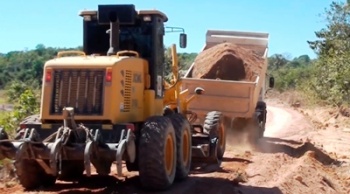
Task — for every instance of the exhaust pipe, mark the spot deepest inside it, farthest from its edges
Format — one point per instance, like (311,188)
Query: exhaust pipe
(113,35)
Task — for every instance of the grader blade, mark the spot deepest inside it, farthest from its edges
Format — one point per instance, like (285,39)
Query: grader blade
(71,143)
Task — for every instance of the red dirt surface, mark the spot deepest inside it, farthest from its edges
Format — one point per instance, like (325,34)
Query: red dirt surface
(295,156)
(227,61)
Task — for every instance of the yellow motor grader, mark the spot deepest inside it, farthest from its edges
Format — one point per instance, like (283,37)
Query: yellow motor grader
(110,104)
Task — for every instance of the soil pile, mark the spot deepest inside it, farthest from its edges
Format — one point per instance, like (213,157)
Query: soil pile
(227,61)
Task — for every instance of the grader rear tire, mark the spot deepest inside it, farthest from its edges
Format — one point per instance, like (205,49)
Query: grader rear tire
(183,144)
(157,153)
(214,126)
(31,175)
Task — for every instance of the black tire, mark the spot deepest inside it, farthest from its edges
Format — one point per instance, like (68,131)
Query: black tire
(31,175)
(214,126)
(183,145)
(167,111)
(154,172)
(261,107)
(132,166)
(262,129)
(3,134)
(72,170)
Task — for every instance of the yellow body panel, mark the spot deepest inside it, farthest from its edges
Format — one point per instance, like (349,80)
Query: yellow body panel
(127,98)
(134,104)
(149,98)
(158,106)
(173,96)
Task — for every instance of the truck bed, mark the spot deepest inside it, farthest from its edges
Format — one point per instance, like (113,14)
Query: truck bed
(232,98)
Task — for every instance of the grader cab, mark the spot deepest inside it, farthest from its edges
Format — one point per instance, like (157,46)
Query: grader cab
(109,103)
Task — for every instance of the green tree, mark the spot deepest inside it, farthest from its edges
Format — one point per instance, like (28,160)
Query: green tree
(26,104)
(26,65)
(334,39)
(290,74)
(332,69)
(277,61)
(184,59)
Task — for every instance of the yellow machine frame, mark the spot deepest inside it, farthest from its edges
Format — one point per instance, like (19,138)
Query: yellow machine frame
(174,98)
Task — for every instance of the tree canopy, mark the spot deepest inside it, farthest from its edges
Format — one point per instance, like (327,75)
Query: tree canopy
(27,66)
(331,78)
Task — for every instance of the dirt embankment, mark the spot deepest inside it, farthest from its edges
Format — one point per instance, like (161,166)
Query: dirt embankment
(295,156)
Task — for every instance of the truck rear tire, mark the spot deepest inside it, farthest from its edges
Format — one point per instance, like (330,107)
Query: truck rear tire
(261,107)
(183,145)
(31,175)
(214,126)
(157,153)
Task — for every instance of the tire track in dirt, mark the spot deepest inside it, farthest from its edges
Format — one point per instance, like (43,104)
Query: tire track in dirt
(280,163)
(289,162)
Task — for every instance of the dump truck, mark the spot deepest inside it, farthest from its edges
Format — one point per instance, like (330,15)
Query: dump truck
(109,104)
(240,101)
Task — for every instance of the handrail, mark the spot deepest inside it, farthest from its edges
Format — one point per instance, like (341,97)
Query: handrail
(61,53)
(119,53)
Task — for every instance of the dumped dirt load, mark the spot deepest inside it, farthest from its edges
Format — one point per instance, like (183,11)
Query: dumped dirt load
(227,61)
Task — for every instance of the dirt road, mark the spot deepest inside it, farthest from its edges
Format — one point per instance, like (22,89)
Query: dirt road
(288,159)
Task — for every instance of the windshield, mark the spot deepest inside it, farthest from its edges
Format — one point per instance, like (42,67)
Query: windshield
(136,37)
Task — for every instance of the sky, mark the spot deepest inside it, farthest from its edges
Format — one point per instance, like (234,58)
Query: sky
(290,23)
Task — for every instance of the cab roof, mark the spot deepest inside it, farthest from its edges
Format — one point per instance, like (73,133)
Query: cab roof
(140,13)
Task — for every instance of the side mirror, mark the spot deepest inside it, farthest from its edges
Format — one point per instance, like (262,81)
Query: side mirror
(183,40)
(199,90)
(272,82)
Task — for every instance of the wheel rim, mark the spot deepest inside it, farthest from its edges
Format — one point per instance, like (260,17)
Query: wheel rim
(185,150)
(169,154)
(222,139)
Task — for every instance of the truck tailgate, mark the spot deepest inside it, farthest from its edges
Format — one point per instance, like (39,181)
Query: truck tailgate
(232,98)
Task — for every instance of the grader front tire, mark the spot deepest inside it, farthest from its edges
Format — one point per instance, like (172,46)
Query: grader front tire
(157,153)
(183,144)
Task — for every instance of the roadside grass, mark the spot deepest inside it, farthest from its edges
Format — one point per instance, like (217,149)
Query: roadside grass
(2,115)
(2,97)
(6,121)
(5,164)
